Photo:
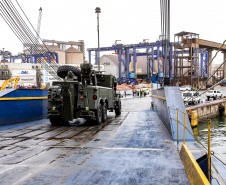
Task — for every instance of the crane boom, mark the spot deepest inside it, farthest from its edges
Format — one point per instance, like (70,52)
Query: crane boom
(39,25)
(10,81)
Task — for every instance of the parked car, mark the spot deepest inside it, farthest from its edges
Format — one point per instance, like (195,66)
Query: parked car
(185,88)
(214,94)
(191,97)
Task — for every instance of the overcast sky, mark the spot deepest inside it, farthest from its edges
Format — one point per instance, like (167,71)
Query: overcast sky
(127,20)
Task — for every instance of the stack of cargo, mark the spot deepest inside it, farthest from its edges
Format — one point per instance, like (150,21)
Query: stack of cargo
(25,71)
(47,77)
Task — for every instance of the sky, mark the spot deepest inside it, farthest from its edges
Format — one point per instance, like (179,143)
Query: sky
(130,21)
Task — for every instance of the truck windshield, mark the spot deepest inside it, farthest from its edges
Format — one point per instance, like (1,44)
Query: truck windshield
(187,94)
(210,91)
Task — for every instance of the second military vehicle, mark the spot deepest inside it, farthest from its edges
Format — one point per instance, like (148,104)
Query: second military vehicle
(82,94)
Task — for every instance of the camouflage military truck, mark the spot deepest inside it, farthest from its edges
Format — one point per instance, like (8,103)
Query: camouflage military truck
(82,94)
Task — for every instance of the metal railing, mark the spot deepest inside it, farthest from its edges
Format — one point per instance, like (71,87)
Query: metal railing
(209,152)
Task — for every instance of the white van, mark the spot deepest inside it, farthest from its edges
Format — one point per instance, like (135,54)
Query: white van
(191,97)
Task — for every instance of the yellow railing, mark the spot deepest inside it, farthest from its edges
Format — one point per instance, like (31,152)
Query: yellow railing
(184,127)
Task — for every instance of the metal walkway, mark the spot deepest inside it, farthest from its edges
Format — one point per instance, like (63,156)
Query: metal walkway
(134,148)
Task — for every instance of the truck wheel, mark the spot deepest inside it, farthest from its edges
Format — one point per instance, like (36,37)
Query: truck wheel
(99,114)
(118,110)
(104,112)
(208,98)
(63,70)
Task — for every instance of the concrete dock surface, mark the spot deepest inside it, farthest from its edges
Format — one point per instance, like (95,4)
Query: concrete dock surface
(134,148)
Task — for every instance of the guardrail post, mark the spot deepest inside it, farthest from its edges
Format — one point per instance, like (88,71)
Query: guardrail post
(177,131)
(184,127)
(209,121)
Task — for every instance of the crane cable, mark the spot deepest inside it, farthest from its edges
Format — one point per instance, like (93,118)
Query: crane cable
(18,29)
(21,30)
(36,33)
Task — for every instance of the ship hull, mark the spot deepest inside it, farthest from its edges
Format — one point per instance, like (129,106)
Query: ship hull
(21,105)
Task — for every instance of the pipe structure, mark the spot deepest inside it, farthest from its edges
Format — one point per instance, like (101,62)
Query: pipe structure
(127,62)
(206,62)
(171,61)
(196,62)
(89,57)
(96,57)
(152,61)
(158,59)
(134,60)
(201,61)
(120,63)
(98,10)
(148,66)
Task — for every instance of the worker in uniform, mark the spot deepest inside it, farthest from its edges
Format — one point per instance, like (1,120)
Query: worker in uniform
(134,92)
(145,92)
(141,92)
(138,92)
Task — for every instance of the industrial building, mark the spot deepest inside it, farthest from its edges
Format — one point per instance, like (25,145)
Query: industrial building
(70,52)
(111,66)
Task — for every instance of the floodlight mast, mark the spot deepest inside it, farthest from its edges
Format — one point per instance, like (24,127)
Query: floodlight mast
(98,10)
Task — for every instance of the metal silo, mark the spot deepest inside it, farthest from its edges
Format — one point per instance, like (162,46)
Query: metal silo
(59,51)
(74,56)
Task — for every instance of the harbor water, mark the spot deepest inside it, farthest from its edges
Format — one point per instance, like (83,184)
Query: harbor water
(217,135)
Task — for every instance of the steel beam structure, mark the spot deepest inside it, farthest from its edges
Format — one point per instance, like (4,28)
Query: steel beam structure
(206,62)
(171,61)
(127,57)
(201,62)
(134,61)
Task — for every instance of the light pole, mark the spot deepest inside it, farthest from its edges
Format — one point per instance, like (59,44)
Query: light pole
(98,10)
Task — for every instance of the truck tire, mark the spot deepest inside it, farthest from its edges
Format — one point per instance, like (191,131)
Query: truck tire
(98,114)
(63,70)
(104,112)
(118,109)
(208,98)
(58,122)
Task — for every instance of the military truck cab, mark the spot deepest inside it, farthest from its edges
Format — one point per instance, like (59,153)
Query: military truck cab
(87,94)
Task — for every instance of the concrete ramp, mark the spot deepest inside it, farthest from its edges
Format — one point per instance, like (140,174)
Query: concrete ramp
(167,112)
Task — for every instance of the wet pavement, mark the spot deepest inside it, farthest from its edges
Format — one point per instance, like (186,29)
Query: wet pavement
(134,148)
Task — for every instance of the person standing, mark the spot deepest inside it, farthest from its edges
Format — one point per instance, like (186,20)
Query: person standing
(134,92)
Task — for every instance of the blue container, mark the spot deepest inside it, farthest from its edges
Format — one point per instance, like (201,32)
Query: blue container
(27,106)
(160,75)
(154,79)
(132,75)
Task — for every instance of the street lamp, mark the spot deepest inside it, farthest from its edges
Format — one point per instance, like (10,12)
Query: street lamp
(98,10)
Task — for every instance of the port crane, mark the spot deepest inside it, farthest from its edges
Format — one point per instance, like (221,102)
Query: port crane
(10,81)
